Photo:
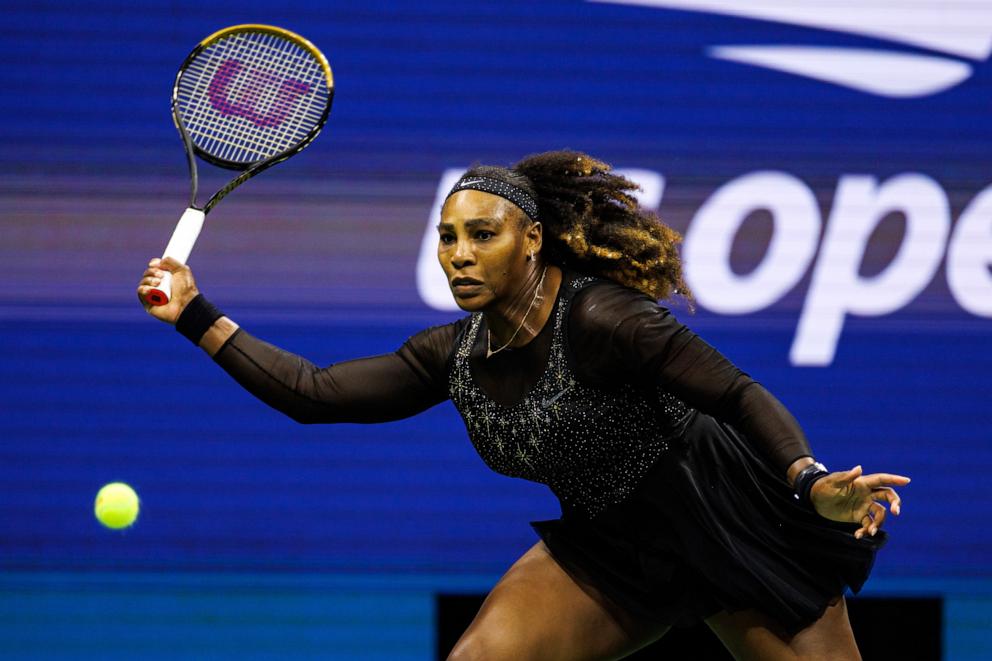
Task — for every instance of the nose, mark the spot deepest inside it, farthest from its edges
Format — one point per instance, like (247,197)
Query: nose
(463,255)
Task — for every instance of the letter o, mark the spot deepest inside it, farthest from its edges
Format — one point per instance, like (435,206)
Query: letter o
(710,238)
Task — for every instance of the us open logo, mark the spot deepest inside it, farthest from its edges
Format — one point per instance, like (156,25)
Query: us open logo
(837,288)
(929,46)
(926,47)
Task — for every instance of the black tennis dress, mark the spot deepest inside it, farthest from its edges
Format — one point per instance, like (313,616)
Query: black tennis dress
(668,461)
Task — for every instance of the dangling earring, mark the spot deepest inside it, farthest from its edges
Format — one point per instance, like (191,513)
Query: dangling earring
(530,257)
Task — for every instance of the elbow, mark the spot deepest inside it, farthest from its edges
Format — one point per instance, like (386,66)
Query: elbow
(732,405)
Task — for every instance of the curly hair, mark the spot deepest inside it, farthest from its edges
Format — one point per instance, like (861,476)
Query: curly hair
(593,223)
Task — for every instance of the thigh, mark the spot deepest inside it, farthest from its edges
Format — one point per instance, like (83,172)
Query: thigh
(749,634)
(538,611)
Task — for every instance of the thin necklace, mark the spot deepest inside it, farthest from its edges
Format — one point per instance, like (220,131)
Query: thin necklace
(489,333)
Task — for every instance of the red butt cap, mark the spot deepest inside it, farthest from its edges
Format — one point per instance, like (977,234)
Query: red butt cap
(156,297)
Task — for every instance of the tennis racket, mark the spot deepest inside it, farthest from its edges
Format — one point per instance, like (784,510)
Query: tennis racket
(246,98)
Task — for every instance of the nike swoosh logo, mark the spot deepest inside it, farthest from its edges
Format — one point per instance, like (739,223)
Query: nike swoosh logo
(962,30)
(468,182)
(545,403)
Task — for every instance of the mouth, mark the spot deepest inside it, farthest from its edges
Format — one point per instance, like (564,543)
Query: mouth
(466,285)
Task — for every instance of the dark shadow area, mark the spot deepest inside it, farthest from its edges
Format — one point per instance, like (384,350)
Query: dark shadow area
(905,629)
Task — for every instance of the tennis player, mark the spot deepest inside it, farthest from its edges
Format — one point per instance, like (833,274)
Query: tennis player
(688,492)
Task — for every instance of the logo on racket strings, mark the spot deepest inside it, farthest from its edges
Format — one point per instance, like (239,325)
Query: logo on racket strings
(246,97)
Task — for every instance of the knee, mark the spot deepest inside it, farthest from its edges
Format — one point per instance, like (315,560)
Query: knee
(471,647)
(474,646)
(468,648)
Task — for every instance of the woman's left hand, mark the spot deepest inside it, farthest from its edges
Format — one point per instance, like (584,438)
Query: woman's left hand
(851,497)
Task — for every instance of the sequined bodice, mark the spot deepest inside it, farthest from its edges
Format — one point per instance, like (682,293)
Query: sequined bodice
(591,445)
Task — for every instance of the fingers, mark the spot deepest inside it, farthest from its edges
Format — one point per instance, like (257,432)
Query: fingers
(878,512)
(875,517)
(851,475)
(143,291)
(873,481)
(877,483)
(882,479)
(170,264)
(152,277)
(166,263)
(871,521)
(889,494)
(865,522)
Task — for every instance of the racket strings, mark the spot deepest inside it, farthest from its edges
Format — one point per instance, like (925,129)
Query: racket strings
(243,136)
(293,59)
(250,96)
(241,140)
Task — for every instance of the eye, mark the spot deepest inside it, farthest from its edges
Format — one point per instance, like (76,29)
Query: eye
(484,235)
(447,239)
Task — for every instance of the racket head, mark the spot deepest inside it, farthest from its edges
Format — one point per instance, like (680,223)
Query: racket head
(251,94)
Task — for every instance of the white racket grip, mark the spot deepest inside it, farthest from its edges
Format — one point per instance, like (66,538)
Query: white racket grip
(183,239)
(179,248)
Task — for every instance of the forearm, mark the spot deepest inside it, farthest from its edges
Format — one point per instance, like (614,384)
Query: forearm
(283,380)
(217,335)
(769,424)
(374,389)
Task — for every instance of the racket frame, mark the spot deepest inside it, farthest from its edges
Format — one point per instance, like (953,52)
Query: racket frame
(248,170)
(191,223)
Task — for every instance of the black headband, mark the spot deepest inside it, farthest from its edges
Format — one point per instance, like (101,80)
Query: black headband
(518,196)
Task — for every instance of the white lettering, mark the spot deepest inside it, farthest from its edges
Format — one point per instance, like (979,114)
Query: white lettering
(709,241)
(837,289)
(969,257)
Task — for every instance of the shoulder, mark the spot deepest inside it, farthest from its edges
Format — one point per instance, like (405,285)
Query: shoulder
(602,305)
(437,340)
(609,326)
(427,353)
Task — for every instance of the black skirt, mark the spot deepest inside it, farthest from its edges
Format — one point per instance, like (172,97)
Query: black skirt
(713,526)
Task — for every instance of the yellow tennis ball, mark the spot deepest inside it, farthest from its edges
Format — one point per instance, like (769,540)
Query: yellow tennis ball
(116,505)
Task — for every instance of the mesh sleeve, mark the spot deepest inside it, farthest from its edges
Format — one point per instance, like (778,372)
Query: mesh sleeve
(620,334)
(374,389)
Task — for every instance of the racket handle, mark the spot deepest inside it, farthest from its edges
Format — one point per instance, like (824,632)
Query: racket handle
(179,248)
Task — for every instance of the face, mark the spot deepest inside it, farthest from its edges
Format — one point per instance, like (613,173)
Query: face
(483,248)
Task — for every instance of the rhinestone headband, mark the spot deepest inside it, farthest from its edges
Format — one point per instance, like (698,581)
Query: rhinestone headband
(518,196)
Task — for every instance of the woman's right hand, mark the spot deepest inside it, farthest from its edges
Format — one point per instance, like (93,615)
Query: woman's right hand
(183,288)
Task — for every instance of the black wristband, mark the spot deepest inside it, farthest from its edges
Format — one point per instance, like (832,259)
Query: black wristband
(804,481)
(197,318)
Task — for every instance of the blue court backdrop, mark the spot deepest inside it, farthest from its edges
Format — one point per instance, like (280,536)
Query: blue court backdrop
(828,164)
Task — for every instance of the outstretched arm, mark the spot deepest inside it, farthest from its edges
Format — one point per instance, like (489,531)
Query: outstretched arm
(375,389)
(627,336)
(621,330)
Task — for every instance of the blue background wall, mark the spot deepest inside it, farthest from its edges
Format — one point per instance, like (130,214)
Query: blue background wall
(258,535)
